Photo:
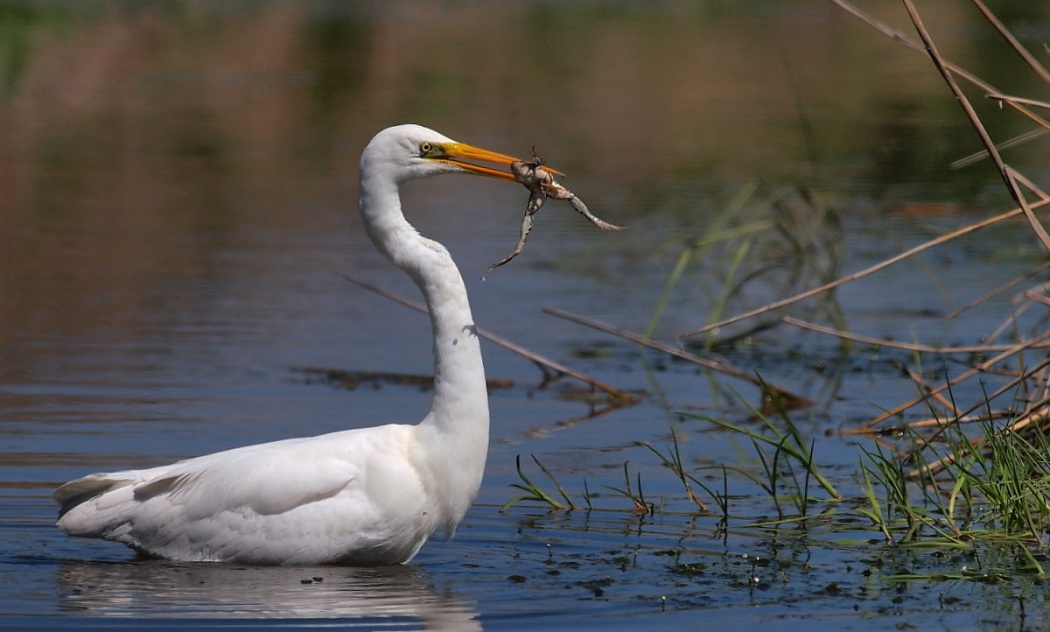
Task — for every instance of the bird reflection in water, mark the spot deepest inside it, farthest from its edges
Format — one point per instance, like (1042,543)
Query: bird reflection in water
(156,588)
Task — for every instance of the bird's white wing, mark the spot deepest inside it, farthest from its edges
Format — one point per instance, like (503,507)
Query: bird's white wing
(341,489)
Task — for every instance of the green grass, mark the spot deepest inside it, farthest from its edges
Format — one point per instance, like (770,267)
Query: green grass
(995,490)
(535,493)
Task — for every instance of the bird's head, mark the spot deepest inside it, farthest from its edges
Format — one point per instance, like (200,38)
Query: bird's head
(406,152)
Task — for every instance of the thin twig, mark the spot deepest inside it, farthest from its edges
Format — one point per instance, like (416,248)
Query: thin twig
(1038,415)
(1009,37)
(978,156)
(907,346)
(1023,101)
(978,126)
(787,399)
(926,388)
(1031,186)
(1002,389)
(618,396)
(791,300)
(1038,298)
(868,425)
(938,422)
(915,46)
(997,291)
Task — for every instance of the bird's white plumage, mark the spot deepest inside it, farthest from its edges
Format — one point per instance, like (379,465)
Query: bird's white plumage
(365,496)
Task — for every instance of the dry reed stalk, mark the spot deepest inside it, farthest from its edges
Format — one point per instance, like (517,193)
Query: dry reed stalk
(785,400)
(1038,298)
(940,422)
(1017,381)
(1009,37)
(906,346)
(538,432)
(978,156)
(1005,287)
(882,265)
(975,121)
(867,426)
(1010,177)
(619,398)
(1022,303)
(920,382)
(1040,415)
(1019,100)
(900,37)
(1032,186)
(1037,408)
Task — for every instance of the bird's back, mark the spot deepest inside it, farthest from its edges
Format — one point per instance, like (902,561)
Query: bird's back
(354,496)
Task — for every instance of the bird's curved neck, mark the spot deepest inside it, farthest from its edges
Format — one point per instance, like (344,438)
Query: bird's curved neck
(460,404)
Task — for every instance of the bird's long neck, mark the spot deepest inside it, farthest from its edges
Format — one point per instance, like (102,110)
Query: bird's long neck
(460,407)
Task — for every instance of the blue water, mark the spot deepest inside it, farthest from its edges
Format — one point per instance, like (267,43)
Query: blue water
(178,209)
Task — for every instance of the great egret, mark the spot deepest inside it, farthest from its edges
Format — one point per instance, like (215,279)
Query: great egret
(365,496)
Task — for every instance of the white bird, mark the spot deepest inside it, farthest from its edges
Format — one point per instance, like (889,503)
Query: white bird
(364,496)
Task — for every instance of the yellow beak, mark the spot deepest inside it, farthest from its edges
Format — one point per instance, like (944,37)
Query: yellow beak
(458,153)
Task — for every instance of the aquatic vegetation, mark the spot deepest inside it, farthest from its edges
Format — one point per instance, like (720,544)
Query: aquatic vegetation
(1001,495)
(789,448)
(787,468)
(641,505)
(536,493)
(972,477)
(673,461)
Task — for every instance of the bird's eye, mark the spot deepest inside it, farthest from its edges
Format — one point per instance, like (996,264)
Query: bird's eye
(426,148)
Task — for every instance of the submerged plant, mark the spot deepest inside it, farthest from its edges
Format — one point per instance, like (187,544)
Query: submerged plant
(765,237)
(879,469)
(789,447)
(1010,474)
(535,493)
(641,506)
(993,488)
(673,461)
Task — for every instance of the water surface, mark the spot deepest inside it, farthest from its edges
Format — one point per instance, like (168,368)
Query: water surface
(178,204)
